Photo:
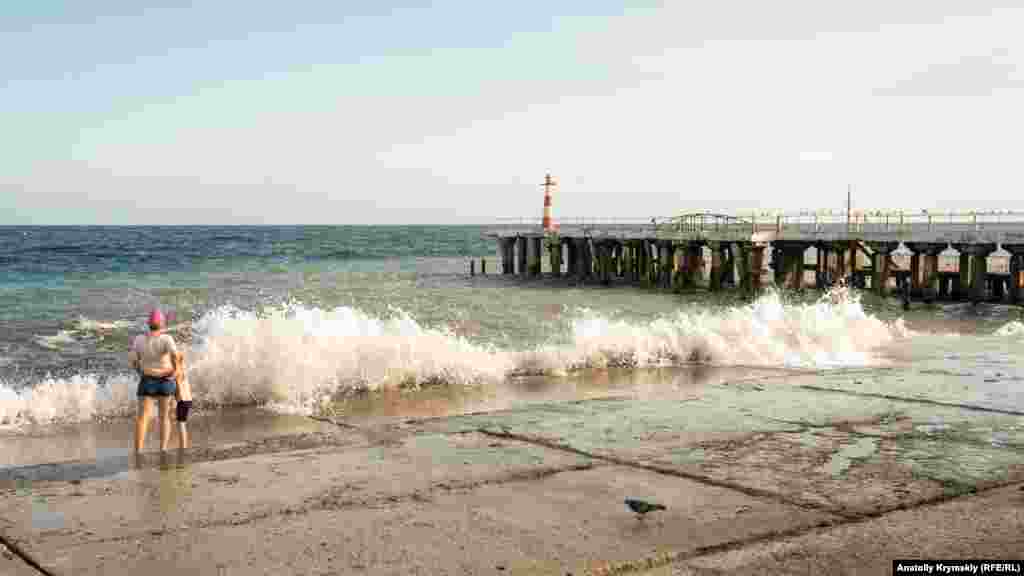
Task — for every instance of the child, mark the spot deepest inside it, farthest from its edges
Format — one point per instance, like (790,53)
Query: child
(184,397)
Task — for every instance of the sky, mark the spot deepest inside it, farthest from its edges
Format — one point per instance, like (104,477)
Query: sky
(380,112)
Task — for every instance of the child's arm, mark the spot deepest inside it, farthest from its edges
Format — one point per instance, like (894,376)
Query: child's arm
(184,389)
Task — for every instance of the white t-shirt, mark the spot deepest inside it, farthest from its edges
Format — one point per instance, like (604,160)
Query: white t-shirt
(154,352)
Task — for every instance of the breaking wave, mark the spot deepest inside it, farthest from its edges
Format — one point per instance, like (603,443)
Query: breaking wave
(1013,329)
(297,358)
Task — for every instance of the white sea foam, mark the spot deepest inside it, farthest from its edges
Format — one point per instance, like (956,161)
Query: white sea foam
(76,399)
(83,324)
(1013,329)
(765,333)
(296,358)
(81,328)
(58,341)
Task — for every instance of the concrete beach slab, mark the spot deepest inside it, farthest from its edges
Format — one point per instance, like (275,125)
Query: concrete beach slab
(536,490)
(44,515)
(623,427)
(849,454)
(571,522)
(998,389)
(988,526)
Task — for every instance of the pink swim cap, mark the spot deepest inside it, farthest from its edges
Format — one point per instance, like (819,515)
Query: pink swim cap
(156,317)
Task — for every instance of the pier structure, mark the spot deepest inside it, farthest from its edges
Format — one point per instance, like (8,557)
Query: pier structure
(891,253)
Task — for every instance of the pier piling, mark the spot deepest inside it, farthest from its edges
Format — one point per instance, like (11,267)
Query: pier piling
(671,256)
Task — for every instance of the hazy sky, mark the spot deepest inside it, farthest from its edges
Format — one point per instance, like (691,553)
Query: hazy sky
(135,112)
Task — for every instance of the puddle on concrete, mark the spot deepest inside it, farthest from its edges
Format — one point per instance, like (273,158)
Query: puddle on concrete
(842,460)
(112,441)
(661,383)
(45,519)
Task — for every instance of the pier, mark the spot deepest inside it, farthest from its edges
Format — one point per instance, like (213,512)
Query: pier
(949,256)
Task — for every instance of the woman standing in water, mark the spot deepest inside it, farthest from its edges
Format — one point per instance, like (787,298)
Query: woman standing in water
(154,356)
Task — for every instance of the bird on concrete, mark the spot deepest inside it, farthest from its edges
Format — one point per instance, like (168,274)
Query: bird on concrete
(641,508)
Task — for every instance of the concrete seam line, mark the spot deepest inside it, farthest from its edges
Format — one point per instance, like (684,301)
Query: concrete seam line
(339,423)
(753,492)
(316,503)
(25,557)
(774,536)
(912,400)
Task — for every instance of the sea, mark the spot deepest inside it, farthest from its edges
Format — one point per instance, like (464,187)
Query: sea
(280,323)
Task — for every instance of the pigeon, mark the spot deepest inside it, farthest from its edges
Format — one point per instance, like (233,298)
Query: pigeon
(641,507)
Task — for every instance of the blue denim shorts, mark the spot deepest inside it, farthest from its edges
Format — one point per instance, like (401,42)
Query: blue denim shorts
(152,386)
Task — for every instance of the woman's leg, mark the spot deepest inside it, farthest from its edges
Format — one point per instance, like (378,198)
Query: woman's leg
(142,421)
(165,422)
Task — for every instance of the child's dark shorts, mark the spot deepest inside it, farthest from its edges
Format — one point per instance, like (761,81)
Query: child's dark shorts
(182,410)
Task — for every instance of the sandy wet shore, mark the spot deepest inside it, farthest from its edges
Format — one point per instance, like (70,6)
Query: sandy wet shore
(787,474)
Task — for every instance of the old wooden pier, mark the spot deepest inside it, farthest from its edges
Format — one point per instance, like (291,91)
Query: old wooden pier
(712,251)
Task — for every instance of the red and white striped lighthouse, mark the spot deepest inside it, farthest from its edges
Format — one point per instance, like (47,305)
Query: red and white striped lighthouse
(546,223)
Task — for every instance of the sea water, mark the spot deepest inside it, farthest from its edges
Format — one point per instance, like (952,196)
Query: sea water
(300,320)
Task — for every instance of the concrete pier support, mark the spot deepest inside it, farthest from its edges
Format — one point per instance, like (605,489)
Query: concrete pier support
(743,258)
(789,271)
(979,277)
(756,268)
(639,262)
(521,250)
(694,265)
(626,257)
(880,266)
(778,266)
(924,269)
(839,270)
(821,265)
(979,271)
(578,258)
(533,255)
(854,268)
(1016,255)
(678,267)
(998,288)
(836,261)
(587,261)
(507,250)
(915,274)
(962,288)
(974,270)
(795,267)
(728,264)
(613,260)
(644,263)
(715,281)
(1015,270)
(605,263)
(930,279)
(572,257)
(665,264)
(633,253)
(555,255)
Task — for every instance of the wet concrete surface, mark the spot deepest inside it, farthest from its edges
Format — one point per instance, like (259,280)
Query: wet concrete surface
(538,488)
(983,526)
(571,522)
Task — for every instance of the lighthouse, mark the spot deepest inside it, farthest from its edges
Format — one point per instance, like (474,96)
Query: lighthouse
(546,223)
